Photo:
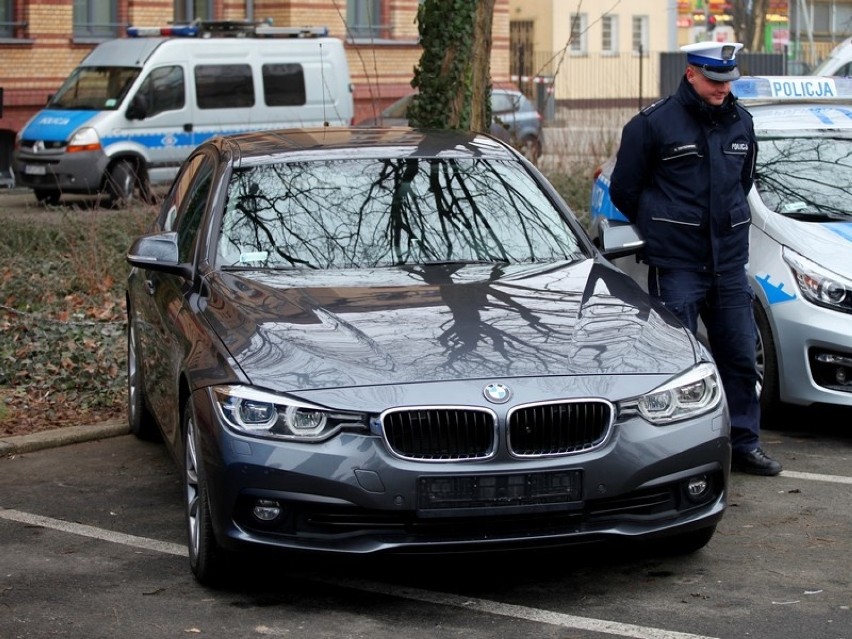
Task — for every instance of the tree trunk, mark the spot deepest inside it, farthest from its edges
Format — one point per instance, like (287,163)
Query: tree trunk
(480,107)
(453,76)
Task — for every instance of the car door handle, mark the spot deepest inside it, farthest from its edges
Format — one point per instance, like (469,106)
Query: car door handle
(188,127)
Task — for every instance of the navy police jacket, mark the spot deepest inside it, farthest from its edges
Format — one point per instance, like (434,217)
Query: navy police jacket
(682,174)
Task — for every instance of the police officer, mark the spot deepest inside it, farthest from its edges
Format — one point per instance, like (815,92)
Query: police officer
(683,170)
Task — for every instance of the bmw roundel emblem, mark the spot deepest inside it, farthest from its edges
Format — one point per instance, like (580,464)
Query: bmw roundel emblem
(497,393)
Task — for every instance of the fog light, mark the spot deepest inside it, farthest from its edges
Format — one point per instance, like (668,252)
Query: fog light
(697,487)
(266,509)
(840,375)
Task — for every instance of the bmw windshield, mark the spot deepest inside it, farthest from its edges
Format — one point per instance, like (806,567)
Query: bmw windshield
(331,214)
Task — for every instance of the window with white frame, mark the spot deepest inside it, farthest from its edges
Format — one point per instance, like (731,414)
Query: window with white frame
(609,34)
(189,10)
(579,24)
(95,18)
(363,18)
(640,35)
(7,18)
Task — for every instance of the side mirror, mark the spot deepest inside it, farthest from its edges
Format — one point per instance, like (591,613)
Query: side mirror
(158,252)
(138,108)
(617,239)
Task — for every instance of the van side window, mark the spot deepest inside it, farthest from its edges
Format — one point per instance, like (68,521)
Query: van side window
(283,85)
(164,90)
(223,86)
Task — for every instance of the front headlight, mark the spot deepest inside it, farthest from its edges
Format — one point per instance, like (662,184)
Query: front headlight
(688,395)
(85,139)
(259,413)
(819,285)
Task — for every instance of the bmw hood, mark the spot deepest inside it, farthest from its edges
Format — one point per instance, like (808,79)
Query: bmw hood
(336,329)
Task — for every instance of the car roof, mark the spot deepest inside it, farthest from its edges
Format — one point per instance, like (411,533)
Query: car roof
(797,105)
(358,142)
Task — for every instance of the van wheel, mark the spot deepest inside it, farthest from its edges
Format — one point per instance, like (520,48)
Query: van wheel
(47,196)
(121,183)
(767,364)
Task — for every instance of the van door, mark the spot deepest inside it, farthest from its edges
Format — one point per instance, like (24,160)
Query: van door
(160,121)
(224,98)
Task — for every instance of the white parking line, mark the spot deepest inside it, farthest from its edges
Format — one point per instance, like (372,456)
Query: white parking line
(95,533)
(481,605)
(836,479)
(571,622)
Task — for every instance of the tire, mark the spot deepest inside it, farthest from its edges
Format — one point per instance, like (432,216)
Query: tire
(121,183)
(139,417)
(47,196)
(208,562)
(767,364)
(683,543)
(530,148)
(688,543)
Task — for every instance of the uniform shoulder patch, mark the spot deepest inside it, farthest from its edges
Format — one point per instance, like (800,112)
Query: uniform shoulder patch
(654,106)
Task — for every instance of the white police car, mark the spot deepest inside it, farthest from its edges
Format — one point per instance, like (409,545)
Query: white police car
(801,235)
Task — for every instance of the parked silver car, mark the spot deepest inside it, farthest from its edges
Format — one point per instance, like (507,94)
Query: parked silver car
(357,340)
(516,120)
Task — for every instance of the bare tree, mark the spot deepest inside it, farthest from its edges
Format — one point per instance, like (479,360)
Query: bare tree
(750,22)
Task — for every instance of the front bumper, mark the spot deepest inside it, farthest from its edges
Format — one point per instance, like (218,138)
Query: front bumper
(78,173)
(350,495)
(804,335)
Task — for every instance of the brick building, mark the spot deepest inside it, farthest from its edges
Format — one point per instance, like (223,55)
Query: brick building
(41,41)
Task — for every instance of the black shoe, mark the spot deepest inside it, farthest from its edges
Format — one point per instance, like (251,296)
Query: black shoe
(756,462)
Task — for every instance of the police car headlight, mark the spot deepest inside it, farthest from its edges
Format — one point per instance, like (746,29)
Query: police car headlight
(818,285)
(688,395)
(258,413)
(85,139)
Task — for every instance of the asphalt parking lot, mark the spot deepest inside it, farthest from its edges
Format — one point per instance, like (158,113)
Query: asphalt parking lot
(93,546)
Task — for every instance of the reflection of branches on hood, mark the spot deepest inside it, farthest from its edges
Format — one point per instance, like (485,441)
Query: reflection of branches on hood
(466,328)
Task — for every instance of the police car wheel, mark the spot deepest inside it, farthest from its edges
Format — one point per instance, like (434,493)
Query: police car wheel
(767,363)
(121,183)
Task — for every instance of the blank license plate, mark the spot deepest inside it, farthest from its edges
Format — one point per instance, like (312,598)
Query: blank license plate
(499,490)
(35,169)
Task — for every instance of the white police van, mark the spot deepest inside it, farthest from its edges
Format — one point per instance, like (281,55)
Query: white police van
(801,236)
(838,62)
(135,107)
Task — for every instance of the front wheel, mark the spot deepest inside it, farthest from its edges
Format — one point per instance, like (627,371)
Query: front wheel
(206,559)
(138,415)
(682,543)
(121,183)
(530,148)
(767,363)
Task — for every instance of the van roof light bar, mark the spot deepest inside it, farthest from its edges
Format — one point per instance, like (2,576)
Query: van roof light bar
(226,29)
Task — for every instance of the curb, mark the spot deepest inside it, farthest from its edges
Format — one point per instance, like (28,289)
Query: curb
(62,436)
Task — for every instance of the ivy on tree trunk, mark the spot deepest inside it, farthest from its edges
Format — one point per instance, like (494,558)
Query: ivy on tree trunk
(453,77)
